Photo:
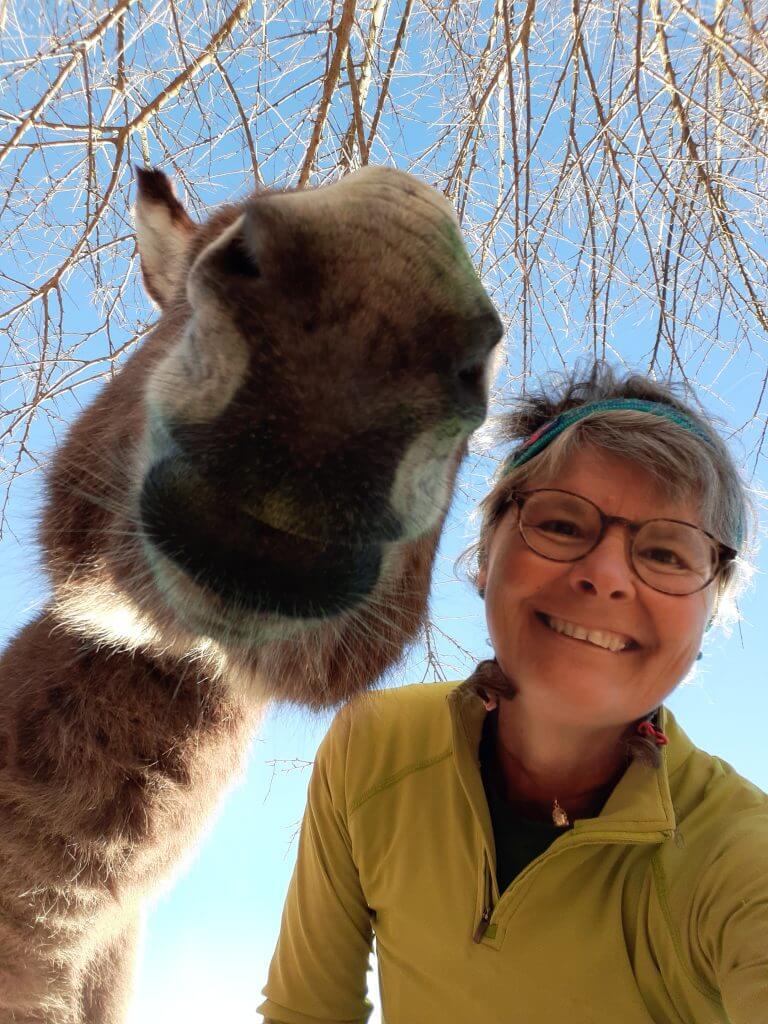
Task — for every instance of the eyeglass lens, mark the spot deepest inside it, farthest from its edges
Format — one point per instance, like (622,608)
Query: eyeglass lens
(668,556)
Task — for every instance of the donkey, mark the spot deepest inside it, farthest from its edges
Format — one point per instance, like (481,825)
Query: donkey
(249,511)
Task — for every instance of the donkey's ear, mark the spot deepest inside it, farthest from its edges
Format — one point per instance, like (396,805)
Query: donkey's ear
(164,231)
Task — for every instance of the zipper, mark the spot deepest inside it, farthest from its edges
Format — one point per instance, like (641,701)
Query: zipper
(482,927)
(488,909)
(485,920)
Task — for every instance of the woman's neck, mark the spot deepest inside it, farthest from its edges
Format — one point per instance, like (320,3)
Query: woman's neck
(540,762)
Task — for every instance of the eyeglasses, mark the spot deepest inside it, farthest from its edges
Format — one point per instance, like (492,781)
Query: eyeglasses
(671,556)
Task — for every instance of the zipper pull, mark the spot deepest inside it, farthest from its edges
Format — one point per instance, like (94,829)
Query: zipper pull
(482,927)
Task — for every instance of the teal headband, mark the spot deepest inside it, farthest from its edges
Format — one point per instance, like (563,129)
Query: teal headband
(540,438)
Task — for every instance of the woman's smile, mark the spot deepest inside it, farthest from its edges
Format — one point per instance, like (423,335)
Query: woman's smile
(602,639)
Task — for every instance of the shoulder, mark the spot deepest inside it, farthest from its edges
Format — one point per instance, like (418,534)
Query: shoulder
(736,831)
(713,798)
(380,734)
(415,714)
(722,827)
(708,794)
(728,888)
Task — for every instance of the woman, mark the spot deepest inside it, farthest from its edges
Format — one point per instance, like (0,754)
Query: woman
(544,842)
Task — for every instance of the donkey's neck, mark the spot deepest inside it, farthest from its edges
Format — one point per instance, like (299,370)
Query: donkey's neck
(124,753)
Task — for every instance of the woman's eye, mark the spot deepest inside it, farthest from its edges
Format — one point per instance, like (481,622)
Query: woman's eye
(562,527)
(664,556)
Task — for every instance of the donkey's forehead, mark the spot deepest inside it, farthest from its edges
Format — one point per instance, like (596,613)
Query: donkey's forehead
(351,198)
(370,185)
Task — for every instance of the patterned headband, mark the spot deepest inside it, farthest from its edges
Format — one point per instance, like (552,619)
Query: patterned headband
(540,438)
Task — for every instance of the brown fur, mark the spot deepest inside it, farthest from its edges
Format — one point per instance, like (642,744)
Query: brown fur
(356,336)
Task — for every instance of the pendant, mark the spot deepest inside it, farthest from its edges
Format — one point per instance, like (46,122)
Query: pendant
(559,817)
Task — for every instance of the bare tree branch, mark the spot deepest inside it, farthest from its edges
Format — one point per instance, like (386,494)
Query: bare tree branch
(55,87)
(607,161)
(713,193)
(341,32)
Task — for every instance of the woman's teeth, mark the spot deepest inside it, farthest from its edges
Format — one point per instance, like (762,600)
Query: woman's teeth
(598,637)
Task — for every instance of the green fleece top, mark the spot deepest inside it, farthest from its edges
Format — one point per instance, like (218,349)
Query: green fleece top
(654,912)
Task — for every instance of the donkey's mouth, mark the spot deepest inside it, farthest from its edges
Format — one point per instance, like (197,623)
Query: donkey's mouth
(248,563)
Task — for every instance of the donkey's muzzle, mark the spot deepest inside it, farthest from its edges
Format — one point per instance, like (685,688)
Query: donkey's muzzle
(245,562)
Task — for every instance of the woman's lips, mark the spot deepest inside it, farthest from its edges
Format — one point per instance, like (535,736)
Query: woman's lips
(600,639)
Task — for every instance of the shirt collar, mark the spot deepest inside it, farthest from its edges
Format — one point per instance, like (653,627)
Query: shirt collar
(640,806)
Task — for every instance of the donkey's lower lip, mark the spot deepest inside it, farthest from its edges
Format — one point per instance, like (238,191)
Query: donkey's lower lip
(258,568)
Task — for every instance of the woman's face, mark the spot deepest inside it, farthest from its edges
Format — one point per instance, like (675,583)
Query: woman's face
(574,680)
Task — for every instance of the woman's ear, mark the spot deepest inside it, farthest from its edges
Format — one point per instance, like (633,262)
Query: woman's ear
(482,579)
(713,610)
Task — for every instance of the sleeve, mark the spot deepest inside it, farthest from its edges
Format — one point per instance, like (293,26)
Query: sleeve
(732,916)
(318,970)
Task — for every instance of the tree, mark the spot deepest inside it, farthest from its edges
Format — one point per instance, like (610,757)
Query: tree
(607,162)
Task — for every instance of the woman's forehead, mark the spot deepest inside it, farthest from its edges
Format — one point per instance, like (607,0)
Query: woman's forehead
(618,486)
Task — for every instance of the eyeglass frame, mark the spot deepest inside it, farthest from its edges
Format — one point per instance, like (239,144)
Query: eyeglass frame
(725,554)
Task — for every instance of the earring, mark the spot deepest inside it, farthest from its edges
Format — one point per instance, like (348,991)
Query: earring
(700,655)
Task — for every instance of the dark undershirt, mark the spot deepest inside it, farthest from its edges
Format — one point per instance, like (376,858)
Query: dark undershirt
(518,840)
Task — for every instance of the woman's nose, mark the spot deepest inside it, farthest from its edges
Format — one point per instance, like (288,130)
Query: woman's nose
(606,571)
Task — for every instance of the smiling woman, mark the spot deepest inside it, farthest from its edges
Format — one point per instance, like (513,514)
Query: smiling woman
(545,836)
(607,546)
(588,643)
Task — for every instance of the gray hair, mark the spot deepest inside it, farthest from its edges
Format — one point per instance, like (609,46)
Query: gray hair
(684,465)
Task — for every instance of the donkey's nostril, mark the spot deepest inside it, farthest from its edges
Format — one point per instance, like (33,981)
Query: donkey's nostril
(471,377)
(471,392)
(481,334)
(487,330)
(472,383)
(234,260)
